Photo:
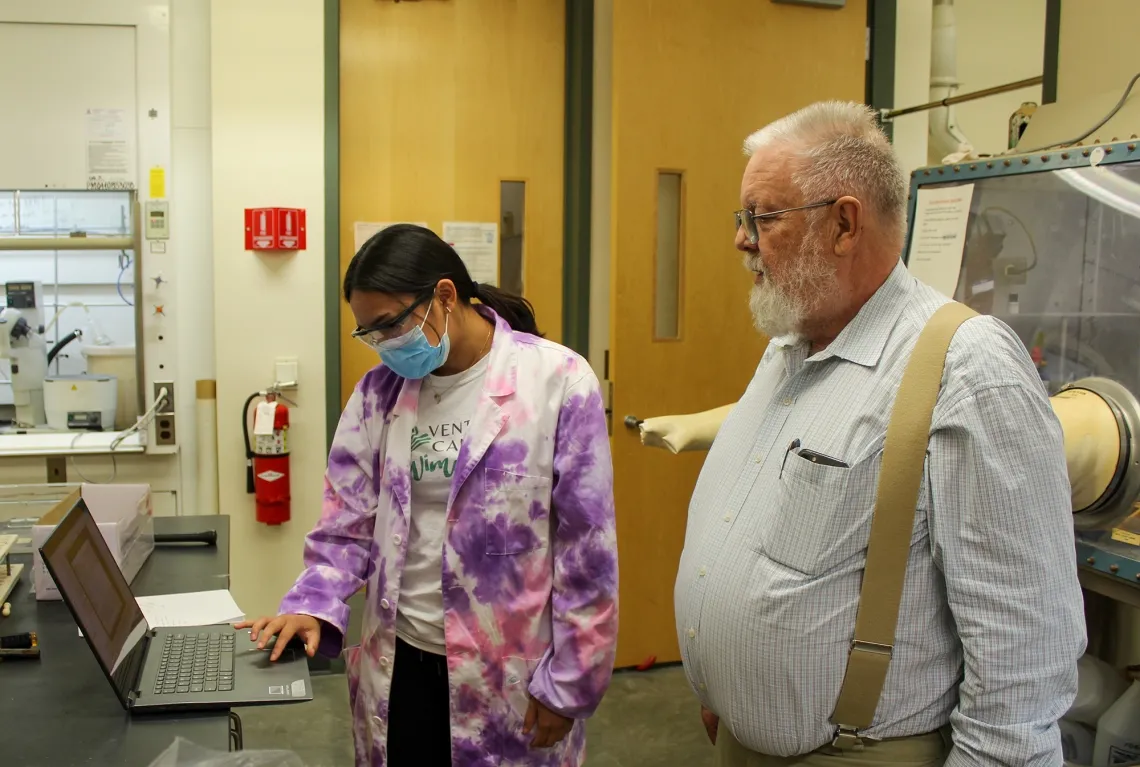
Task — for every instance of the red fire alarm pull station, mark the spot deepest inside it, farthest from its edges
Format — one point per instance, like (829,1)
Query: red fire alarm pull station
(274,228)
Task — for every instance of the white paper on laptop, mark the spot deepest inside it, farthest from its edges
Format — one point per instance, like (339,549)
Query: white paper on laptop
(194,608)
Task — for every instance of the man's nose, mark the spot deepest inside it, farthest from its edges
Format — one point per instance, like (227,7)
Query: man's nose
(743,243)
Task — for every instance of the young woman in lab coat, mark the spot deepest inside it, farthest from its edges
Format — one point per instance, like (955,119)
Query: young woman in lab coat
(470,491)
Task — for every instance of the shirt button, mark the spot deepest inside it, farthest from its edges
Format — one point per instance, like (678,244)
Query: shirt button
(384,603)
(397,539)
(789,401)
(727,517)
(702,572)
(692,633)
(702,686)
(759,459)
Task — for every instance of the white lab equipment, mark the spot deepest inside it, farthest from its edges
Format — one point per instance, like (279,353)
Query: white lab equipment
(22,343)
(1098,687)
(1118,731)
(118,361)
(81,402)
(1077,742)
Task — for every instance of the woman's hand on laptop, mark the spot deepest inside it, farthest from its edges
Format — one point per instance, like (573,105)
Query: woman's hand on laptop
(284,627)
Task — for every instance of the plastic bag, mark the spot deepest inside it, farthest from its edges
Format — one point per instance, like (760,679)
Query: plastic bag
(183,753)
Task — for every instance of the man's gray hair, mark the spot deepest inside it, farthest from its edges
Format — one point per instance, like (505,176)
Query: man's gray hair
(842,151)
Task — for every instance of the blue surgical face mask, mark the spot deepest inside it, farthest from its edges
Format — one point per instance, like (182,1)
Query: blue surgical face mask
(412,355)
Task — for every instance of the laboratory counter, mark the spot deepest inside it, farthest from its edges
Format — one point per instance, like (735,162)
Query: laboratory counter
(60,710)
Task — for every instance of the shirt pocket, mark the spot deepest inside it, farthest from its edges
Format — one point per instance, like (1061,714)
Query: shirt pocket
(822,514)
(517,505)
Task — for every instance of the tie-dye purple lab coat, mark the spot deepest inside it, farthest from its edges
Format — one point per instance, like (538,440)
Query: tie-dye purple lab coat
(529,563)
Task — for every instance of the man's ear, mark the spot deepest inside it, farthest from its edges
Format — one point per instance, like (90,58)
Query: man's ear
(849,225)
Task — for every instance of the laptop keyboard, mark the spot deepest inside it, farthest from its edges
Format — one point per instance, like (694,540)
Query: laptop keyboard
(196,663)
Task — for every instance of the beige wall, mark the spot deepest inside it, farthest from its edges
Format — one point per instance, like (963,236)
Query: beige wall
(1098,49)
(912,80)
(268,150)
(998,42)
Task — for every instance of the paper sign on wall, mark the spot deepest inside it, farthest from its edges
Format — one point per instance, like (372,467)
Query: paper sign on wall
(157,182)
(108,149)
(363,230)
(938,236)
(478,245)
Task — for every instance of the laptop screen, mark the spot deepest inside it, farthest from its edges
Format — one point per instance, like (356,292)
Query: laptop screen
(95,590)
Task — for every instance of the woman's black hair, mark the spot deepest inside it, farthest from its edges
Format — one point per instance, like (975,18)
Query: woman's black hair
(406,259)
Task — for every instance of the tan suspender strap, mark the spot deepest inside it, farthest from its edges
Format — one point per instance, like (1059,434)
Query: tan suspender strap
(900,479)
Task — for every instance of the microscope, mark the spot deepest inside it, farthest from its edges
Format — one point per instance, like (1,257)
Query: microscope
(22,344)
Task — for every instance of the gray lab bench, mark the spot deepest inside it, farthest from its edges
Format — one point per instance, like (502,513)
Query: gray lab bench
(60,710)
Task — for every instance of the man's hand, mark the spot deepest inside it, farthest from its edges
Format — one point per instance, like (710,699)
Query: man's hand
(711,722)
(549,728)
(285,627)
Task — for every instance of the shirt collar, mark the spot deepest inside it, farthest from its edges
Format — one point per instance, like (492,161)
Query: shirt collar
(863,339)
(502,368)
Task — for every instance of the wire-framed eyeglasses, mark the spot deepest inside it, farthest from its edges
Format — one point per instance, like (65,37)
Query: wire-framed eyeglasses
(375,335)
(748,219)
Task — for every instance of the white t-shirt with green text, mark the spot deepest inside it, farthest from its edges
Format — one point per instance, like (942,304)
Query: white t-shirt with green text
(446,406)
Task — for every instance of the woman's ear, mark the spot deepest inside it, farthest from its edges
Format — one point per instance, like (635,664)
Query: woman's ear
(446,295)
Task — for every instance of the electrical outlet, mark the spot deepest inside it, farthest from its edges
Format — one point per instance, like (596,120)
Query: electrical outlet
(167,408)
(1012,269)
(165,433)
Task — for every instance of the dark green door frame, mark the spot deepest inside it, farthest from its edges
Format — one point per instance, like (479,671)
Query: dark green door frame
(332,218)
(880,66)
(577,175)
(1052,46)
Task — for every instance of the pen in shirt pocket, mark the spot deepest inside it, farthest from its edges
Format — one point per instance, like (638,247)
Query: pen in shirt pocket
(792,447)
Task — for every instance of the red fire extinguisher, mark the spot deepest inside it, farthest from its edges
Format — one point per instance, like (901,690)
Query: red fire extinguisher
(267,459)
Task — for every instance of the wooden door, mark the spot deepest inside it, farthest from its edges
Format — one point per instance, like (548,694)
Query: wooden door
(690,80)
(441,102)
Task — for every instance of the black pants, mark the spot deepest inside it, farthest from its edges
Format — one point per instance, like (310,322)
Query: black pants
(419,710)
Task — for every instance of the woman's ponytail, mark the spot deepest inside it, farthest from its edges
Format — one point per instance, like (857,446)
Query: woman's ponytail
(515,310)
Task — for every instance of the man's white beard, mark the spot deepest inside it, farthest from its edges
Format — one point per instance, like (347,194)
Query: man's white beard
(782,309)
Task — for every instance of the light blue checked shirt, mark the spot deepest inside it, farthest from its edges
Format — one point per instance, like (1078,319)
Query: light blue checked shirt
(991,623)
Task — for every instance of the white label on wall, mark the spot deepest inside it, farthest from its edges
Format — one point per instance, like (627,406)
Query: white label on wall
(108,150)
(478,245)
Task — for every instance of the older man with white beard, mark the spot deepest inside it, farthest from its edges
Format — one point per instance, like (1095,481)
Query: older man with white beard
(990,623)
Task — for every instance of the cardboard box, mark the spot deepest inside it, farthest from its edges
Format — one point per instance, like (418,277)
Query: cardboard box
(125,515)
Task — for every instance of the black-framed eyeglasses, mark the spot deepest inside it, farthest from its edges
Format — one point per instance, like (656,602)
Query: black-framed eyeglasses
(748,219)
(389,329)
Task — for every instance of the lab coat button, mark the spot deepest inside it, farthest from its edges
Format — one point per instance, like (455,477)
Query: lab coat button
(512,680)
(385,604)
(397,539)
(384,661)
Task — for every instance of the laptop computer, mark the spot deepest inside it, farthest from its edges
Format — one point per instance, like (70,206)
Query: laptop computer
(160,669)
